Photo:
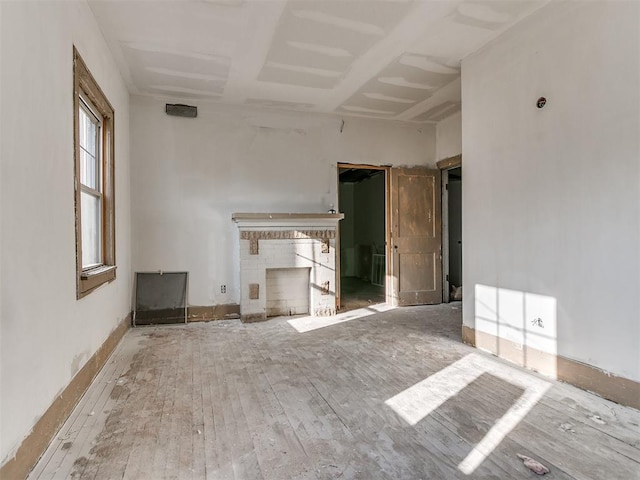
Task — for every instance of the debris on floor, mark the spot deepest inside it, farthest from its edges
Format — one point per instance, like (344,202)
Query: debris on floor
(533,465)
(212,398)
(597,419)
(456,293)
(567,427)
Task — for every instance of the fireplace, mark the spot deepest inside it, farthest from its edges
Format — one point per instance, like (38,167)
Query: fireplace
(281,256)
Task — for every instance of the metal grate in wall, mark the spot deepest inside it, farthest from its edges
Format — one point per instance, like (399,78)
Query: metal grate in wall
(160,297)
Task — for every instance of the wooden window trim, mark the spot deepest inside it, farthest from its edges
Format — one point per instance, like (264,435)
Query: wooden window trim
(84,83)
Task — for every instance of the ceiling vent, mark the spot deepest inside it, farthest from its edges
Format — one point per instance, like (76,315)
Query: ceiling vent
(179,110)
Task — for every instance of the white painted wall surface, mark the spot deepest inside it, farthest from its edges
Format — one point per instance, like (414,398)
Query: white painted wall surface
(46,334)
(551,197)
(449,137)
(190,175)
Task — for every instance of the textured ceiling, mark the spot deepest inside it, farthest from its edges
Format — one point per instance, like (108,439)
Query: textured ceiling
(394,59)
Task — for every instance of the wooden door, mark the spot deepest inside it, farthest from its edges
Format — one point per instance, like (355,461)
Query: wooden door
(416,241)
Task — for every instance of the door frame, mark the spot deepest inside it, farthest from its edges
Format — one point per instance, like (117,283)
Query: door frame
(387,226)
(446,165)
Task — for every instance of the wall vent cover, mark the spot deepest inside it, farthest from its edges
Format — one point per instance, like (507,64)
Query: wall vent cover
(160,297)
(179,110)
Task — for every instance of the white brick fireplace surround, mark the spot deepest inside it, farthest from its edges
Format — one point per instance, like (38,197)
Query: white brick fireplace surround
(280,242)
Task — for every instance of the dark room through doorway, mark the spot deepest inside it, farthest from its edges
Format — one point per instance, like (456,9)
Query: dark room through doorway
(362,200)
(452,234)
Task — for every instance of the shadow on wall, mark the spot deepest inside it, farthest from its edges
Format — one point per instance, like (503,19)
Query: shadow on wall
(518,326)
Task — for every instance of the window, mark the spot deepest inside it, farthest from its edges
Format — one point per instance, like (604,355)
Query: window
(94,189)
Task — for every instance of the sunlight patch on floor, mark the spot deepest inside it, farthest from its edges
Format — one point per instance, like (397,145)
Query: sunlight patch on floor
(310,323)
(419,400)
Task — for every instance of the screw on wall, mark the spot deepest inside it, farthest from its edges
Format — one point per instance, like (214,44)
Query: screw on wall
(223,289)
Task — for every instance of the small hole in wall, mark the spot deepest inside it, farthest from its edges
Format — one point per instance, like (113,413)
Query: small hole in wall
(541,102)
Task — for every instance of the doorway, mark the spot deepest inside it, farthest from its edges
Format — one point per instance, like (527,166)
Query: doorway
(362,198)
(452,232)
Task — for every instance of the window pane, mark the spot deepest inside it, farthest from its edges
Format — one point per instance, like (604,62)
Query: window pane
(82,127)
(88,170)
(89,167)
(88,127)
(90,221)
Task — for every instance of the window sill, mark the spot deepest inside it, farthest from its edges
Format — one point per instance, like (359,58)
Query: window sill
(89,280)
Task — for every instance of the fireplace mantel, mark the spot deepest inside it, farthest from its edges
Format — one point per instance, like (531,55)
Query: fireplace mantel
(275,245)
(252,220)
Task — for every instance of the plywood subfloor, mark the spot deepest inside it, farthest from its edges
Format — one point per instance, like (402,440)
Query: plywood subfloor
(377,397)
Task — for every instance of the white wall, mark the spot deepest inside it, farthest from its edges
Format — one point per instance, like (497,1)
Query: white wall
(190,175)
(551,197)
(48,335)
(449,137)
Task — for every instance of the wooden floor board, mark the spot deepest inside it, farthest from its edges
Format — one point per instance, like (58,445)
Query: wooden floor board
(226,400)
(73,442)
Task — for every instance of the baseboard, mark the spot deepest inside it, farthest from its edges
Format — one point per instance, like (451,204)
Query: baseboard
(468,335)
(618,389)
(213,312)
(35,444)
(254,317)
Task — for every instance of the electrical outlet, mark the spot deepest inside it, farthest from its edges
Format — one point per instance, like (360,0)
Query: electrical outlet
(223,289)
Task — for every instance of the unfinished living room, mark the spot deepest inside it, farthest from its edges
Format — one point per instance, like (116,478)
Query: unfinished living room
(319,239)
